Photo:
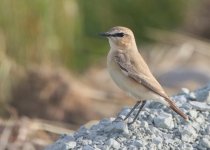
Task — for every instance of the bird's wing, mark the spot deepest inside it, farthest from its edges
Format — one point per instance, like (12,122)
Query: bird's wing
(126,66)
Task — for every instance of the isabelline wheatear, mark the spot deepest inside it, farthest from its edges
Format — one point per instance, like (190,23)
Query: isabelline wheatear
(130,72)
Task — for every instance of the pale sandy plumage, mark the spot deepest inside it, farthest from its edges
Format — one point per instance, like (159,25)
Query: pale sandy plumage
(129,70)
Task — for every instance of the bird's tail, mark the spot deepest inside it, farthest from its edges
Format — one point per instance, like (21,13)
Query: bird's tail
(173,106)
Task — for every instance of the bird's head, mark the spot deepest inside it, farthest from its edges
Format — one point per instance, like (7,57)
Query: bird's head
(120,38)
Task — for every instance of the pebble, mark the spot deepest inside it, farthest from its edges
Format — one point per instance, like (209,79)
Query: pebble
(113,143)
(117,127)
(188,133)
(72,144)
(205,142)
(192,96)
(88,147)
(202,106)
(164,120)
(138,143)
(193,113)
(185,91)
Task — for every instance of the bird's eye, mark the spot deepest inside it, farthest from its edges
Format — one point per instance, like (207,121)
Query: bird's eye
(119,34)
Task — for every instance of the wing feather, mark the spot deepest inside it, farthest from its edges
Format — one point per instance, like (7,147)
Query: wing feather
(125,64)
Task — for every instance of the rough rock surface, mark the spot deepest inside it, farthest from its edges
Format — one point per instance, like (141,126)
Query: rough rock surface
(157,127)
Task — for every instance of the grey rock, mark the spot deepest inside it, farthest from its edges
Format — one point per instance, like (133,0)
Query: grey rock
(196,126)
(88,147)
(205,113)
(72,144)
(138,143)
(117,127)
(113,143)
(202,94)
(144,124)
(205,142)
(185,91)
(180,100)
(200,106)
(193,113)
(208,130)
(157,140)
(188,133)
(132,147)
(200,119)
(186,146)
(192,96)
(164,120)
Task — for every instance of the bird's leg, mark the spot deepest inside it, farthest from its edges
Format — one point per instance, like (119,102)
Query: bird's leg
(134,107)
(140,108)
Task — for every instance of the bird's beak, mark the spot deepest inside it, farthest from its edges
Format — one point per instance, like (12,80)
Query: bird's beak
(106,34)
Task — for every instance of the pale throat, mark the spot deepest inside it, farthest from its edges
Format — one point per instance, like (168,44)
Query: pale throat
(122,45)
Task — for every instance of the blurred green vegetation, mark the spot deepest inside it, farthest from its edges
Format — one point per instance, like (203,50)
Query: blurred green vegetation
(66,31)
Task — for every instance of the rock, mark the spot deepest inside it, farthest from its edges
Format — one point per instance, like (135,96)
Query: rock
(132,147)
(193,113)
(138,143)
(185,91)
(192,96)
(180,100)
(188,133)
(208,130)
(157,140)
(205,142)
(144,124)
(88,147)
(113,143)
(164,120)
(203,94)
(200,106)
(117,127)
(186,146)
(200,119)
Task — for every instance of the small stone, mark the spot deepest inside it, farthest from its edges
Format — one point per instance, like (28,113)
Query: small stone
(208,130)
(138,143)
(205,142)
(180,100)
(113,143)
(192,96)
(88,147)
(164,120)
(186,146)
(185,90)
(157,140)
(208,98)
(117,127)
(144,124)
(193,113)
(132,147)
(188,133)
(72,144)
(202,94)
(196,126)
(187,106)
(200,106)
(205,114)
(200,119)
(86,142)
(105,122)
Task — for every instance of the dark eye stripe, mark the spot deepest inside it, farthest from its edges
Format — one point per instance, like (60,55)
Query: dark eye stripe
(118,35)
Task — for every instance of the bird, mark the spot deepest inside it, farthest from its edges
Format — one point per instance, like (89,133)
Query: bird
(130,72)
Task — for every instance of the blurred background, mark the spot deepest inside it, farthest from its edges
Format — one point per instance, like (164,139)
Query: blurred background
(53,76)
